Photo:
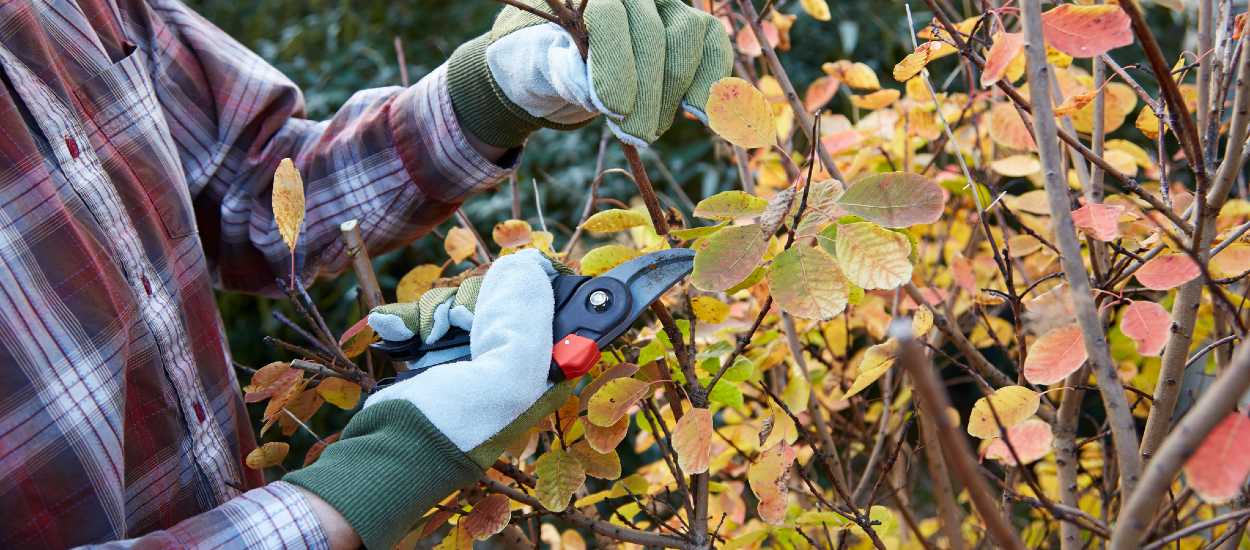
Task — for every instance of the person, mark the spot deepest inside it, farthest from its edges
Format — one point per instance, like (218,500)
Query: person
(138,144)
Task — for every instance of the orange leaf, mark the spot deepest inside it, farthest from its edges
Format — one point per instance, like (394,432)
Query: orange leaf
(303,406)
(1218,469)
(288,202)
(1031,440)
(768,478)
(1100,221)
(356,339)
(1148,324)
(314,452)
(601,465)
(264,381)
(1086,31)
(1168,271)
(1055,355)
(820,92)
(512,233)
(1008,129)
(489,516)
(692,440)
(606,439)
(1007,45)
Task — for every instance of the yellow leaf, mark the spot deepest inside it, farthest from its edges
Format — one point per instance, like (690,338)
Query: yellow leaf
(1013,404)
(915,62)
(739,112)
(1017,166)
(459,244)
(608,405)
(872,256)
(1148,123)
(877,359)
(861,77)
(818,9)
(604,258)
(341,393)
(616,219)
(708,309)
(876,100)
(1231,262)
(267,455)
(921,322)
(418,280)
(288,202)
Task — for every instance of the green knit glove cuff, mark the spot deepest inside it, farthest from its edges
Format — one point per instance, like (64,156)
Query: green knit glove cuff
(389,468)
(481,106)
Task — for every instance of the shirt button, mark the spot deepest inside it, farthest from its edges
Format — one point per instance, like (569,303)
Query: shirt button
(147,285)
(199,411)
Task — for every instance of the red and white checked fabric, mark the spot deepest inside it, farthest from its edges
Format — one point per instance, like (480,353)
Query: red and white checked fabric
(137,149)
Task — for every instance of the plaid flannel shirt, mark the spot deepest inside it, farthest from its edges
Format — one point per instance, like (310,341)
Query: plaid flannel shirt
(137,149)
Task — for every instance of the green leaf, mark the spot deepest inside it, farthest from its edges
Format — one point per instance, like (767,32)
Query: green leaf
(560,474)
(726,258)
(724,393)
(741,370)
(730,205)
(807,283)
(894,199)
(692,233)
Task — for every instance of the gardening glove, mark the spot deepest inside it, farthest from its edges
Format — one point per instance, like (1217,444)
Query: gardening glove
(646,59)
(418,440)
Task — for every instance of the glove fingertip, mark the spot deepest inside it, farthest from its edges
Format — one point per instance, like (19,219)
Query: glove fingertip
(389,326)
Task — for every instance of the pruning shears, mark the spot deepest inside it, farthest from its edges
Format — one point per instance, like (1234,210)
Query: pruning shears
(590,312)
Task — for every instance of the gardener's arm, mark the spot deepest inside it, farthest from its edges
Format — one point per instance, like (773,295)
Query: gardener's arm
(395,158)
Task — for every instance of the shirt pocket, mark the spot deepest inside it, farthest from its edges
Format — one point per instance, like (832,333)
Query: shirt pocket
(128,130)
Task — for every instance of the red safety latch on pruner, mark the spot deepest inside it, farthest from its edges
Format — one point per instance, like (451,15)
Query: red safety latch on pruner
(574,356)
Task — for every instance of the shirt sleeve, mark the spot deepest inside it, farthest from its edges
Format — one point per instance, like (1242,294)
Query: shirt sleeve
(274,516)
(396,159)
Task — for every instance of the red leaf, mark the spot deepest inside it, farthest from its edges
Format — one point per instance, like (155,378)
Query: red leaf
(1167,271)
(1147,323)
(1100,221)
(1031,440)
(1086,31)
(1218,469)
(1055,355)
(1005,48)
